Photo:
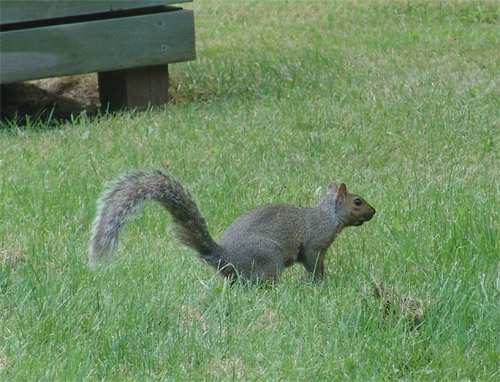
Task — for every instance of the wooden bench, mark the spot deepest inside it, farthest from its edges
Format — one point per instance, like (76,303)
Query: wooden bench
(127,42)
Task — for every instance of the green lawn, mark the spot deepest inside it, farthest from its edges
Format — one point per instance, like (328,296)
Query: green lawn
(398,99)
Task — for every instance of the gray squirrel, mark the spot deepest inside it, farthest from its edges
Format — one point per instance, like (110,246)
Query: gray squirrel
(257,246)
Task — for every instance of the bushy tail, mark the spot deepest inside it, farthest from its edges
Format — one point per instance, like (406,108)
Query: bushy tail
(127,194)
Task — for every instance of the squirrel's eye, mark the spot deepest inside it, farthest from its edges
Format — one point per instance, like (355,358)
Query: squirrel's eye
(357,201)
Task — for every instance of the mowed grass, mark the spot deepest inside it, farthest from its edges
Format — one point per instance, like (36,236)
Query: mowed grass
(399,100)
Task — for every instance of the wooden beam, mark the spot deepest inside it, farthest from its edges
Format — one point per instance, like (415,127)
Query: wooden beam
(15,11)
(97,46)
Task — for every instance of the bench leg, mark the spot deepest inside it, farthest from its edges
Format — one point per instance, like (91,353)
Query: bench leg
(135,88)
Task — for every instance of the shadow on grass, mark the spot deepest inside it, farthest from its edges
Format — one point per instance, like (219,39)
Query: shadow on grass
(45,103)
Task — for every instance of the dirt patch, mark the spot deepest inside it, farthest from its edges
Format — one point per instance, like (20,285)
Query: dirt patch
(12,258)
(3,363)
(59,98)
(394,304)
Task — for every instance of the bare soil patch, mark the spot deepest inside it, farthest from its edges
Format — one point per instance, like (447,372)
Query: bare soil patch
(59,97)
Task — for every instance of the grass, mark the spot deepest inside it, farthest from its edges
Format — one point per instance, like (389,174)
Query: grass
(399,100)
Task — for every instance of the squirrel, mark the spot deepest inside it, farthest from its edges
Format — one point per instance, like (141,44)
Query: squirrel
(257,246)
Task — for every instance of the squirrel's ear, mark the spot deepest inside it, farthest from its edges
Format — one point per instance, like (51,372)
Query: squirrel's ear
(342,189)
(340,198)
(332,188)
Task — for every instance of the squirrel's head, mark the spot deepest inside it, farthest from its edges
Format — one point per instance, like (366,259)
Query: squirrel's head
(350,209)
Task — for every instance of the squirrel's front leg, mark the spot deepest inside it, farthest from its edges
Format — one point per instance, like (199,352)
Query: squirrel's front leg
(314,263)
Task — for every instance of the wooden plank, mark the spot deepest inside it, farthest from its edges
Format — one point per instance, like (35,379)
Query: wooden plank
(134,88)
(97,46)
(14,11)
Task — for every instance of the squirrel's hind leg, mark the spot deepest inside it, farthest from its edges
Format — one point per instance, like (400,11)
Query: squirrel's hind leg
(261,264)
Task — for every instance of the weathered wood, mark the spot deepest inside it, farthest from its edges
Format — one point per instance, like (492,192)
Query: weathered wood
(134,88)
(97,46)
(14,11)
